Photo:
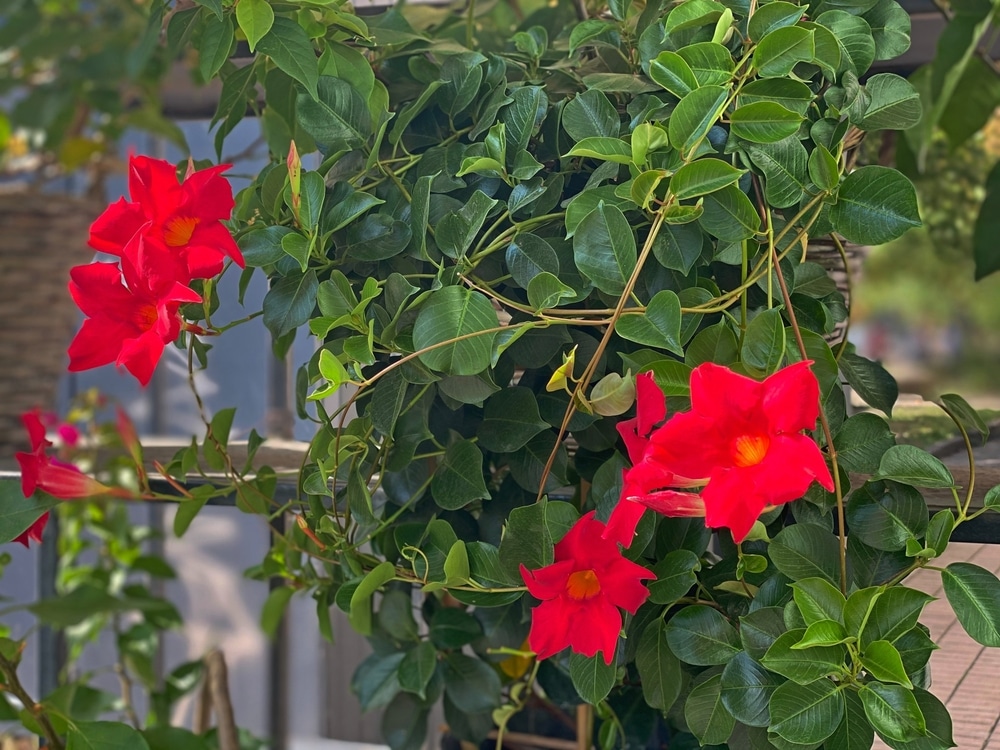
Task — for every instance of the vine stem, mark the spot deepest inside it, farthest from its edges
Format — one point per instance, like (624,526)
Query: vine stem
(832,451)
(588,373)
(13,685)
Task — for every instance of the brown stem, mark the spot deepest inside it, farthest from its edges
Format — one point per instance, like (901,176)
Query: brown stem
(14,686)
(218,686)
(125,681)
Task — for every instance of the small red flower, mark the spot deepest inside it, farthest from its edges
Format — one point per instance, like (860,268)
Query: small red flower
(179,223)
(646,483)
(42,472)
(744,437)
(581,592)
(34,531)
(128,323)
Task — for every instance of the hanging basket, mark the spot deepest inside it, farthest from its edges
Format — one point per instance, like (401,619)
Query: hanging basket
(41,238)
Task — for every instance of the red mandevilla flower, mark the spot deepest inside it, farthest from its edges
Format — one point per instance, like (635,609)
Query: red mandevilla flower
(744,437)
(33,532)
(646,483)
(171,231)
(128,323)
(40,471)
(581,592)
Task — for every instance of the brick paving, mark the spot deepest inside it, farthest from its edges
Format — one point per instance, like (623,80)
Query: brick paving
(964,675)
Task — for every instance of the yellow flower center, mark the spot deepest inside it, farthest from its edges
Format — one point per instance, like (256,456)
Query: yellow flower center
(583,584)
(749,450)
(178,230)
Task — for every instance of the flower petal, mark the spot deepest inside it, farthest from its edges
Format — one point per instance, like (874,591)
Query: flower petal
(650,403)
(595,626)
(548,582)
(718,393)
(116,227)
(692,445)
(622,584)
(731,503)
(673,504)
(550,628)
(791,398)
(32,422)
(623,521)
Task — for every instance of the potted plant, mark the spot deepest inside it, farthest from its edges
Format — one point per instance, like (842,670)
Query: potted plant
(593,448)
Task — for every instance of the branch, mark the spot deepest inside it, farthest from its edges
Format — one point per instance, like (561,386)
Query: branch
(14,686)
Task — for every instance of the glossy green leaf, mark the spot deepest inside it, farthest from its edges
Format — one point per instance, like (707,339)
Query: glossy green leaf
(417,667)
(890,25)
(673,73)
(729,215)
(855,731)
(706,715)
(790,94)
(965,414)
(771,16)
(818,600)
(806,665)
(886,520)
(785,167)
(529,255)
(590,114)
(289,46)
(606,149)
(659,669)
(255,18)
(894,613)
(694,115)
(711,63)
(824,170)
(974,594)
(545,291)
(806,551)
(456,231)
(458,479)
(884,663)
(914,466)
(592,677)
(659,326)
(854,36)
(337,117)
(217,39)
(746,690)
(782,49)
(806,714)
(290,302)
(764,343)
(604,248)
(17,512)
(893,711)
(103,735)
(764,122)
(361,613)
(895,103)
(446,315)
(702,636)
(822,633)
(702,177)
(675,575)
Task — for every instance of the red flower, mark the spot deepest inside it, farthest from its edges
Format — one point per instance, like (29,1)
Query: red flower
(647,481)
(744,437)
(179,223)
(581,593)
(128,322)
(41,472)
(34,531)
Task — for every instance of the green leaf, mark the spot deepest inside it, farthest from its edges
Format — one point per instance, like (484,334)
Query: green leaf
(604,248)
(447,314)
(376,680)
(895,103)
(785,168)
(822,633)
(806,551)
(711,62)
(290,302)
(255,18)
(592,677)
(103,735)
(890,25)
(526,540)
(782,49)
(824,170)
(452,628)
(805,714)
(764,122)
(288,45)
(870,381)
(546,291)
(939,530)
(894,613)
(706,714)
(456,232)
(914,466)
(458,479)
(854,732)
(702,177)
(764,343)
(659,327)
(702,636)
(673,73)
(884,663)
(760,629)
(395,616)
(939,731)
(675,575)
(746,690)
(274,609)
(893,711)
(729,215)
(862,441)
(790,94)
(173,738)
(217,39)
(974,594)
(659,669)
(963,412)
(854,36)
(875,205)
(17,512)
(510,420)
(529,255)
(694,115)
(886,520)
(337,117)
(771,16)
(590,114)
(802,666)
(361,600)
(606,149)
(818,600)
(417,667)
